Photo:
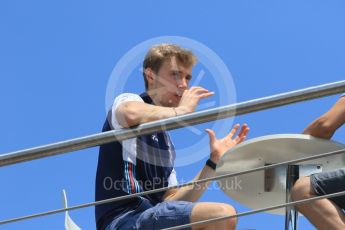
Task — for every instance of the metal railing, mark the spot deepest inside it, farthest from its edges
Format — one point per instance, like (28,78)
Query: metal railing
(294,203)
(178,122)
(121,198)
(173,123)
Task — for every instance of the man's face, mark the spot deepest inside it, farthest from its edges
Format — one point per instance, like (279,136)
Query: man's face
(170,82)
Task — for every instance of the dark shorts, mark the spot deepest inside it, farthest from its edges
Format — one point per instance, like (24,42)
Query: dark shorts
(146,216)
(330,182)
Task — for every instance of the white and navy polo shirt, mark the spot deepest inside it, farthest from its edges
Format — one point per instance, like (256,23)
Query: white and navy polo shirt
(130,166)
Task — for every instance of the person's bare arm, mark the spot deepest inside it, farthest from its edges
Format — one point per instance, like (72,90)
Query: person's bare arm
(218,148)
(133,113)
(191,193)
(326,125)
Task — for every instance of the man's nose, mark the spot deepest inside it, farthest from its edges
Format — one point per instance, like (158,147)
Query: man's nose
(182,83)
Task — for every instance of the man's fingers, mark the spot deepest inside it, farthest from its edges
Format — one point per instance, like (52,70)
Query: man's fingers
(211,134)
(233,131)
(242,139)
(201,91)
(198,90)
(195,88)
(244,130)
(205,95)
(243,134)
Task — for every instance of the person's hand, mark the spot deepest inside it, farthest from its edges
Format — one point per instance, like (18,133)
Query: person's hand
(190,99)
(219,146)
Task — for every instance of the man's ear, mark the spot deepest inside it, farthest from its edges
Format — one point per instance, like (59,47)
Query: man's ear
(150,75)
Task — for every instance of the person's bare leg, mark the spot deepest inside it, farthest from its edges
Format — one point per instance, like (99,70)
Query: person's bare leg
(206,210)
(323,214)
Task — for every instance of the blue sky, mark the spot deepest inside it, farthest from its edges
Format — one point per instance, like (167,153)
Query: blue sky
(56,60)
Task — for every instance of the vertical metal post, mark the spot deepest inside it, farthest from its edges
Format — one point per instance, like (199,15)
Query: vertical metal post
(291,214)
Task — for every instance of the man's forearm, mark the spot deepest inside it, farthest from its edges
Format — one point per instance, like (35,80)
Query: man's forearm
(134,113)
(320,128)
(326,125)
(194,192)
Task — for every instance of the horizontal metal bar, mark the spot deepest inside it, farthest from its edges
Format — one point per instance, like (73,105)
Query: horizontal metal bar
(171,187)
(294,203)
(173,123)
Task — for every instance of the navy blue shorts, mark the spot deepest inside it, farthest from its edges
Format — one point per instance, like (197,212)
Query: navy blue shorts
(330,182)
(146,216)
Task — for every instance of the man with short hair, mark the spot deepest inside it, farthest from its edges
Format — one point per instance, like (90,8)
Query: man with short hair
(146,162)
(325,214)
